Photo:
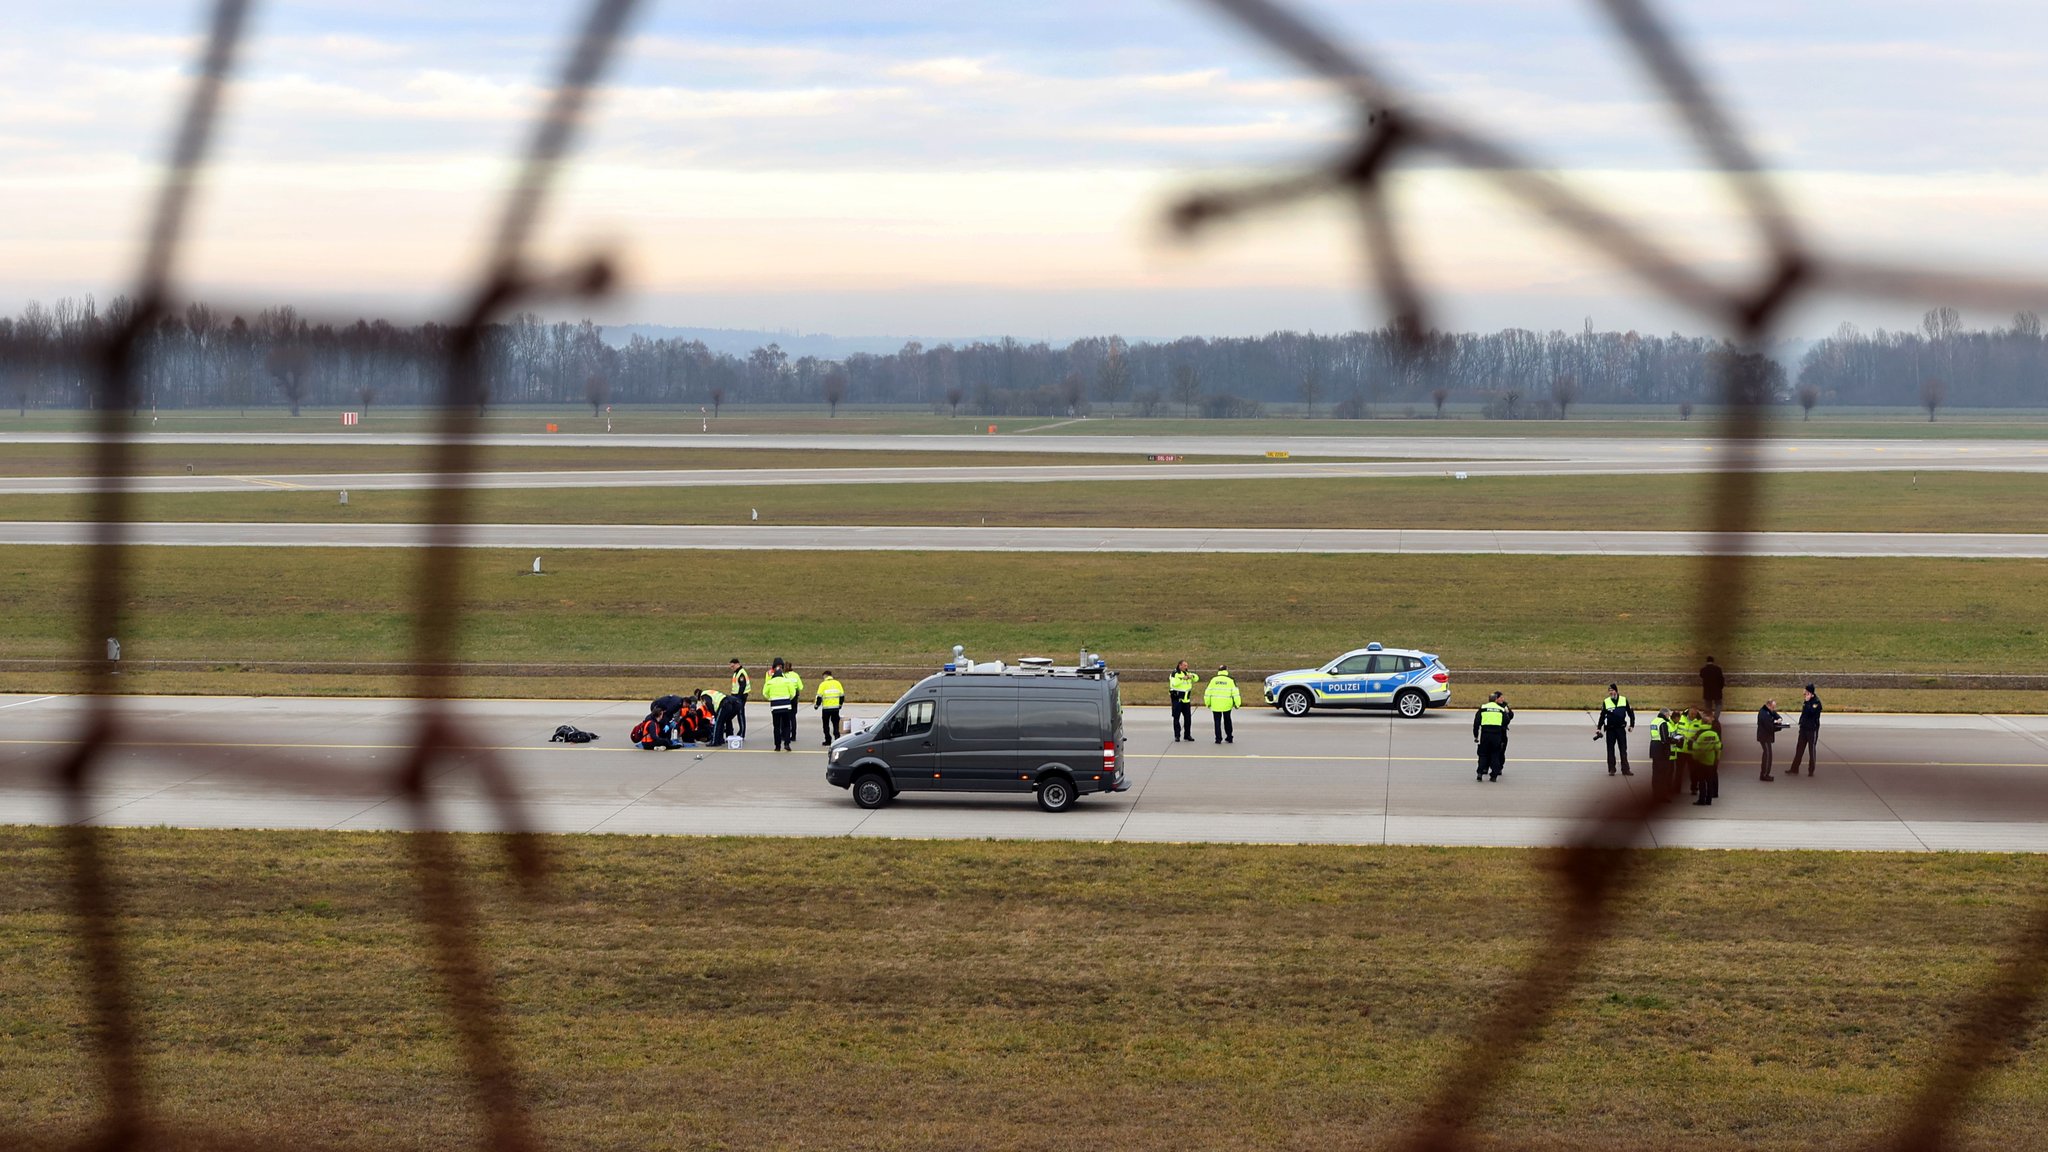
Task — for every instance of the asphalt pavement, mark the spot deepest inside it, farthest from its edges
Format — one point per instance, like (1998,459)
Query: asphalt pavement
(1578,453)
(886,538)
(1886,782)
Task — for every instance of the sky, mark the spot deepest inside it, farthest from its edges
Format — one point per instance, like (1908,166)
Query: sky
(957,170)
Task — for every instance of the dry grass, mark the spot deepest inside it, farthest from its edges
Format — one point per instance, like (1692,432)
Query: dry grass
(1814,502)
(678,993)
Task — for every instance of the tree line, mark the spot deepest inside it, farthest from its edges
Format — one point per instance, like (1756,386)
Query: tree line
(204,357)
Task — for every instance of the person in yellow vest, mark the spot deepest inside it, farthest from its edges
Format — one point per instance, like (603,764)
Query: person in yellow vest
(742,685)
(782,690)
(1661,786)
(1180,693)
(1616,721)
(1221,698)
(831,693)
(1490,733)
(1706,762)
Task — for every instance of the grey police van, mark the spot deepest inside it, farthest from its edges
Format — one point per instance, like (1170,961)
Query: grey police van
(1024,728)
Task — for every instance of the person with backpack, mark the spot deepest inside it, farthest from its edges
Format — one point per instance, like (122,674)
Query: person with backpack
(655,732)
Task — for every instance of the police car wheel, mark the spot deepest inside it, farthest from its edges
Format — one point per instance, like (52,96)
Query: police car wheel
(1055,794)
(1411,704)
(1295,702)
(871,791)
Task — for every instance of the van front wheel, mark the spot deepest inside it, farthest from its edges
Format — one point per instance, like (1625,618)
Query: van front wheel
(871,791)
(1055,793)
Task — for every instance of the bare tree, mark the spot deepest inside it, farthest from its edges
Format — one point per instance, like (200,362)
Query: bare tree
(717,401)
(1511,403)
(1808,397)
(1074,393)
(1439,396)
(1113,378)
(1685,410)
(954,396)
(834,388)
(1932,392)
(1942,324)
(1311,388)
(596,390)
(1564,388)
(1187,387)
(286,364)
(2026,324)
(368,396)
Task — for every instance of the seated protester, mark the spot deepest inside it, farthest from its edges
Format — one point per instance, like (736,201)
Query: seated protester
(690,727)
(656,731)
(707,720)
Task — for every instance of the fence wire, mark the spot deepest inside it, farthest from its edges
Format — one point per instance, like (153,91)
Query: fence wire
(1591,874)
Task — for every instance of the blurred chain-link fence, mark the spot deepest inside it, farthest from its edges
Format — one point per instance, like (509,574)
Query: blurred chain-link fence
(1391,128)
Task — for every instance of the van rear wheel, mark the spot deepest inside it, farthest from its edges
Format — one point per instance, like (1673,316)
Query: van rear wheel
(871,791)
(1055,793)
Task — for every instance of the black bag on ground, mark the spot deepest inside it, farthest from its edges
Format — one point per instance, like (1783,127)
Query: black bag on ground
(570,734)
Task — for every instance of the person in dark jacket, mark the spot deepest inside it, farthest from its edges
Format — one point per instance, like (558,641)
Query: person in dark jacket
(1661,783)
(1490,733)
(1768,725)
(1809,734)
(1617,720)
(1711,682)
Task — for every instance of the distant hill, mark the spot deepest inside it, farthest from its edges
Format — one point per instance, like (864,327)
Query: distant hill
(740,341)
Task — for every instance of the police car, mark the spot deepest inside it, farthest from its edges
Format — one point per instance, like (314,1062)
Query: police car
(1405,680)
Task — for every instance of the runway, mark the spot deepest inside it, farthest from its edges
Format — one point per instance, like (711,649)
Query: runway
(1501,455)
(1886,783)
(816,538)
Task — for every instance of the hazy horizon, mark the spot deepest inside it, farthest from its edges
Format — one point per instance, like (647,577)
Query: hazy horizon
(943,172)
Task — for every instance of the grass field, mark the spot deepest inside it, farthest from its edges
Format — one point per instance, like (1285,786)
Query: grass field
(1814,502)
(1807,616)
(158,459)
(680,993)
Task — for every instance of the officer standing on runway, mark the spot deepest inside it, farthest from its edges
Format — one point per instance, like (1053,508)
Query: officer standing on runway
(1684,727)
(1180,691)
(1706,763)
(741,685)
(1809,734)
(1768,725)
(1617,719)
(1490,732)
(831,693)
(782,689)
(1661,787)
(1221,698)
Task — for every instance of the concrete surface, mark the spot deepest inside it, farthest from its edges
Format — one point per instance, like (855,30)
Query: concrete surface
(1892,783)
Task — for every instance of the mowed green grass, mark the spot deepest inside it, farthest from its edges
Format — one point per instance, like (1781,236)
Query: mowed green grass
(686,993)
(1812,502)
(162,459)
(1252,611)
